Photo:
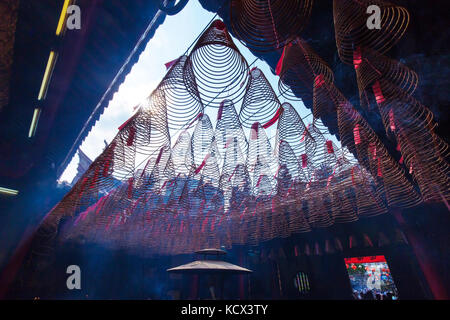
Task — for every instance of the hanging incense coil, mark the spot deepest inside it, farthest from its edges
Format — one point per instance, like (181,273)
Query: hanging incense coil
(229,129)
(203,143)
(260,102)
(215,70)
(298,68)
(182,105)
(423,152)
(352,31)
(259,150)
(371,67)
(292,130)
(268,25)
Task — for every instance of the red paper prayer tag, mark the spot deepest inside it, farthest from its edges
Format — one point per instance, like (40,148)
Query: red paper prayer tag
(304,160)
(329,144)
(280,63)
(378,93)
(319,81)
(392,120)
(131,135)
(357,57)
(356,134)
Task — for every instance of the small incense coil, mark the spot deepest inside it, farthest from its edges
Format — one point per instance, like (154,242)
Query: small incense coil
(268,25)
(259,149)
(203,142)
(215,70)
(351,30)
(229,132)
(182,105)
(292,130)
(424,153)
(260,102)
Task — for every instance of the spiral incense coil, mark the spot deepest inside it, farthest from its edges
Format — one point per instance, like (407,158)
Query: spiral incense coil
(292,130)
(371,67)
(424,154)
(260,102)
(203,142)
(298,68)
(148,131)
(268,25)
(259,149)
(215,70)
(182,105)
(352,31)
(229,129)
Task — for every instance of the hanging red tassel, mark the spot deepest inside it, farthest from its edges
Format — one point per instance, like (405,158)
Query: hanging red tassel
(378,93)
(280,63)
(401,160)
(274,119)
(304,160)
(356,134)
(329,144)
(357,57)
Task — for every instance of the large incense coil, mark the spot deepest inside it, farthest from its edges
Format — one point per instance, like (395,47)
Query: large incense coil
(292,129)
(215,70)
(268,25)
(260,102)
(351,30)
(299,68)
(423,152)
(182,105)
